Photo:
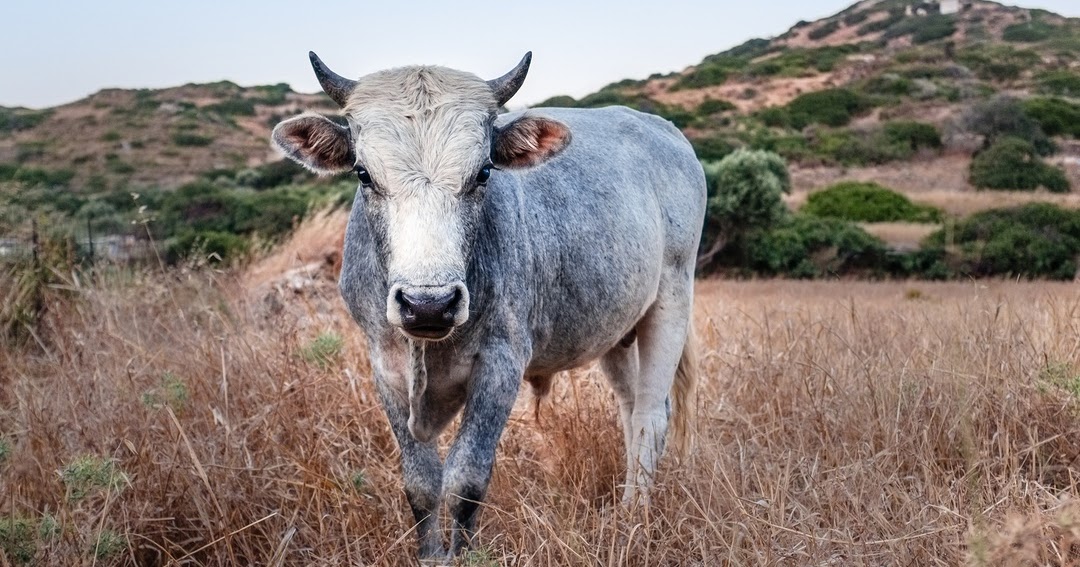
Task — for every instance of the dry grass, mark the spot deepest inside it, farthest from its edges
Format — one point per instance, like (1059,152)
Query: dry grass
(839,424)
(900,235)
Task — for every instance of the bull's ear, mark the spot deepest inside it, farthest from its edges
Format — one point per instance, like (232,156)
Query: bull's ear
(528,141)
(317,143)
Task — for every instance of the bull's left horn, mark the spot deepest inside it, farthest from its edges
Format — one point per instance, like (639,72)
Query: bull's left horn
(506,86)
(335,85)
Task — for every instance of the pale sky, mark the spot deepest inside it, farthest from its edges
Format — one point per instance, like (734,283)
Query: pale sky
(53,52)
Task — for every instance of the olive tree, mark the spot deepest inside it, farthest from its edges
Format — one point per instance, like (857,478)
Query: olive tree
(746,191)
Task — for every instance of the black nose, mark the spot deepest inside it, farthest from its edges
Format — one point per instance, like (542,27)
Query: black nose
(428,316)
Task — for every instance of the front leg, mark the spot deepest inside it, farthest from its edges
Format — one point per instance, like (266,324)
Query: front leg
(493,387)
(421,471)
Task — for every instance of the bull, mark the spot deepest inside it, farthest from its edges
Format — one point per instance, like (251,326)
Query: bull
(486,250)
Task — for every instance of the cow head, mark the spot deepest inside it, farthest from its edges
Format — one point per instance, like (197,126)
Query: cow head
(423,143)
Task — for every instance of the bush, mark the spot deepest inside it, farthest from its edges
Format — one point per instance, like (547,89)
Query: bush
(233,107)
(824,30)
(1060,83)
(1029,32)
(1004,116)
(560,101)
(797,62)
(707,74)
(213,245)
(745,192)
(713,106)
(18,119)
(274,174)
(831,107)
(881,25)
(1013,164)
(859,148)
(809,247)
(997,62)
(188,139)
(867,202)
(915,135)
(712,149)
(1055,116)
(1035,240)
(888,84)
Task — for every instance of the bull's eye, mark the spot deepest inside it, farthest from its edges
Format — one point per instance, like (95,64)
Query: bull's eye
(484,175)
(363,176)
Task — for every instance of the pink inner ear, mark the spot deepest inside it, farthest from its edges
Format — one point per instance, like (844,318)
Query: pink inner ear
(530,141)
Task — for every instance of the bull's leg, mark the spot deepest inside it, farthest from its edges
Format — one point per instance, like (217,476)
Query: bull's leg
(491,394)
(621,367)
(662,333)
(421,472)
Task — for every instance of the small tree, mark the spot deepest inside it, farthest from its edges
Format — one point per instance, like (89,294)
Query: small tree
(1004,116)
(745,192)
(1013,164)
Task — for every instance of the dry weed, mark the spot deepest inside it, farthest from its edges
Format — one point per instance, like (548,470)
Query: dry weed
(839,424)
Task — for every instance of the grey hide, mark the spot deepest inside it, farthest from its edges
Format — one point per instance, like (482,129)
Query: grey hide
(571,256)
(580,246)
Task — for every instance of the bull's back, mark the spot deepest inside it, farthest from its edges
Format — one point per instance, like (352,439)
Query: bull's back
(605,222)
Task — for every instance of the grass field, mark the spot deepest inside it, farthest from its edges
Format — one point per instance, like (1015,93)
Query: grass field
(197,418)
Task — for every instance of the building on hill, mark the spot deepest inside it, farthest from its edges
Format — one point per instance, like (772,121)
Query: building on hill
(936,7)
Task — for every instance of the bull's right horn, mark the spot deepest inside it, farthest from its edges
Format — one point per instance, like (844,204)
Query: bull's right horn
(339,88)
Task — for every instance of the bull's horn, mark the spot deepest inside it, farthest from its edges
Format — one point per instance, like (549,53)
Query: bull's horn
(506,86)
(335,85)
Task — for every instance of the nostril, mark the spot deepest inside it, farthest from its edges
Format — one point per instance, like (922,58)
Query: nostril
(403,301)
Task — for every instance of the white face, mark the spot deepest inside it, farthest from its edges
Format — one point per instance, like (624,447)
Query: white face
(423,162)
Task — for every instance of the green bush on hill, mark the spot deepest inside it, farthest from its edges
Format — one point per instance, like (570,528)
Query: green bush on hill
(1056,117)
(1004,116)
(18,119)
(825,30)
(1013,164)
(797,62)
(1029,32)
(998,62)
(831,107)
(712,106)
(1060,83)
(188,139)
(1035,240)
(867,202)
(804,246)
(914,135)
(922,29)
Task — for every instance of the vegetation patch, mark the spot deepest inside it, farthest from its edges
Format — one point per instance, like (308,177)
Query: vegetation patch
(805,246)
(998,62)
(1056,117)
(867,202)
(1013,164)
(1060,83)
(91,473)
(191,140)
(18,119)
(1035,240)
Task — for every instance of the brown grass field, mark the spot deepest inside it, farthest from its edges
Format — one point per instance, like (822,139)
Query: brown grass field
(202,417)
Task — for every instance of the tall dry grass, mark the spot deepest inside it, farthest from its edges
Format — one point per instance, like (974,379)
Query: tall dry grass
(186,418)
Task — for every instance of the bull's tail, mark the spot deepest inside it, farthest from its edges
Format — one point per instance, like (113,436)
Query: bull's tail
(684,397)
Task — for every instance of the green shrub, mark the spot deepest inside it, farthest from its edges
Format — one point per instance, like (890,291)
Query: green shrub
(915,135)
(705,75)
(1029,32)
(745,192)
(274,174)
(888,84)
(188,139)
(881,25)
(1056,117)
(212,245)
(233,107)
(713,106)
(33,176)
(90,473)
(867,202)
(18,539)
(1060,83)
(713,148)
(324,350)
(1013,164)
(809,247)
(998,62)
(825,30)
(560,101)
(831,107)
(1004,116)
(855,18)
(859,148)
(797,62)
(18,119)
(1035,240)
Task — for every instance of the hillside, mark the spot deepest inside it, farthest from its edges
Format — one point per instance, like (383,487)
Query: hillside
(137,138)
(823,93)
(932,107)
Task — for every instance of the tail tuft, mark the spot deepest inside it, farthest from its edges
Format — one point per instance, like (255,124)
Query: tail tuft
(684,397)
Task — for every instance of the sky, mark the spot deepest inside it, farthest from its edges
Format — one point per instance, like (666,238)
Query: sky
(53,52)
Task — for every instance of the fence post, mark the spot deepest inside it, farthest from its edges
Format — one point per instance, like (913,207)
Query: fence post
(90,238)
(34,241)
